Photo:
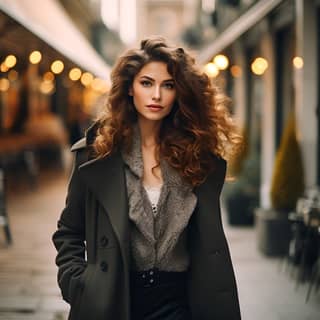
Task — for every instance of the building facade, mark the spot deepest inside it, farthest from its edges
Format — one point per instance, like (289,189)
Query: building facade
(285,34)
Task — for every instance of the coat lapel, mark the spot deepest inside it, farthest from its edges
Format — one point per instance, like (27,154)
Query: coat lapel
(105,178)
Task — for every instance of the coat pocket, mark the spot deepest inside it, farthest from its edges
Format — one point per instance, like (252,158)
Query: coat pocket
(77,285)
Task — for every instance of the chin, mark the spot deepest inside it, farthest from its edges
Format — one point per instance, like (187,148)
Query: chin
(155,117)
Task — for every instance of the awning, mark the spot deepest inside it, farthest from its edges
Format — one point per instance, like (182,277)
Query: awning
(49,21)
(237,28)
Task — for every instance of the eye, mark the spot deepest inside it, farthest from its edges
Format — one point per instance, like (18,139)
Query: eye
(146,83)
(169,85)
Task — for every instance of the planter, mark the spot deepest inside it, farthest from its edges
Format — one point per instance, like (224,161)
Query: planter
(273,231)
(240,209)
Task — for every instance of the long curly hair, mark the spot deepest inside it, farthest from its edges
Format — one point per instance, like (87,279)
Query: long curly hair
(199,128)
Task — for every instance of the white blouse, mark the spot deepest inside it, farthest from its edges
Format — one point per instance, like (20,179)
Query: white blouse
(153,195)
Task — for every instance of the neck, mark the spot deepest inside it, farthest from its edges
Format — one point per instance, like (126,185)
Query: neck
(149,131)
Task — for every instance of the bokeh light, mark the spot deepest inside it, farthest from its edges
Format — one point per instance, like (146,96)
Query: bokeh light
(4,84)
(236,71)
(297,62)
(259,66)
(57,66)
(221,61)
(211,70)
(86,78)
(35,57)
(10,61)
(75,74)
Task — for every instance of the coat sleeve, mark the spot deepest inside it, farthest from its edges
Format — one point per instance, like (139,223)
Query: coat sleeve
(69,238)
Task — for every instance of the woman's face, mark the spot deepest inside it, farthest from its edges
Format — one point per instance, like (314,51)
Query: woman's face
(153,92)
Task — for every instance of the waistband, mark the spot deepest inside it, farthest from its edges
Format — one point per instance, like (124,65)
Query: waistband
(155,277)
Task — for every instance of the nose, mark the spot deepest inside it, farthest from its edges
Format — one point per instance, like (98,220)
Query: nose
(156,94)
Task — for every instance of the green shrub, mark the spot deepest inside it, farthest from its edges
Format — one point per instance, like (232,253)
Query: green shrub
(288,176)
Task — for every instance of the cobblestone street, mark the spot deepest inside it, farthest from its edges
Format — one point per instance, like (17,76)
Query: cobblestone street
(27,269)
(28,273)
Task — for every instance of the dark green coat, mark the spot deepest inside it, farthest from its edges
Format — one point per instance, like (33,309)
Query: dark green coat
(96,215)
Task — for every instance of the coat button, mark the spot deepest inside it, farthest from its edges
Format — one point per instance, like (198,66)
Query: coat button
(104,266)
(104,241)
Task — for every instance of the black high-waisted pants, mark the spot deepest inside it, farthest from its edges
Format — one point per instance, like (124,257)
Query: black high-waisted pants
(159,295)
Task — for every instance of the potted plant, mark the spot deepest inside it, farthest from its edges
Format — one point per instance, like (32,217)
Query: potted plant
(273,227)
(241,191)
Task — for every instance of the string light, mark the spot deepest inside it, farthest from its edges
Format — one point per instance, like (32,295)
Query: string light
(10,61)
(75,74)
(297,62)
(259,66)
(35,57)
(211,70)
(48,76)
(221,61)
(57,66)
(4,84)
(86,78)
(236,71)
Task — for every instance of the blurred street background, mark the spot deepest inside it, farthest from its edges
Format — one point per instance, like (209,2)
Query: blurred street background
(55,63)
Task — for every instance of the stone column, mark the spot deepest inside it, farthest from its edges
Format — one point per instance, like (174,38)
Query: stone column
(240,98)
(305,81)
(267,120)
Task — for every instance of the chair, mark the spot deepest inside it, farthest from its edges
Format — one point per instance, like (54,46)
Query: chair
(4,222)
(298,230)
(315,272)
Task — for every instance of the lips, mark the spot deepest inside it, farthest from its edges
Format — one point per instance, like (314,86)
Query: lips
(155,107)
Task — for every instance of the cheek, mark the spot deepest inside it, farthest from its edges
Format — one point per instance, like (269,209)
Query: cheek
(138,94)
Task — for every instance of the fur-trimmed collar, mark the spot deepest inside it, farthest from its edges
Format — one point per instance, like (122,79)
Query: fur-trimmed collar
(133,158)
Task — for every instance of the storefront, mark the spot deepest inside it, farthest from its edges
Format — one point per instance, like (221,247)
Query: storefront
(275,46)
(50,78)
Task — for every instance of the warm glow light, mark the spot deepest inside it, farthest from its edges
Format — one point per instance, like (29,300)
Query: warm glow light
(86,79)
(13,75)
(298,62)
(75,74)
(96,84)
(47,87)
(211,70)
(48,76)
(57,66)
(4,84)
(99,85)
(104,88)
(236,71)
(259,66)
(10,61)
(221,61)
(35,57)
(3,67)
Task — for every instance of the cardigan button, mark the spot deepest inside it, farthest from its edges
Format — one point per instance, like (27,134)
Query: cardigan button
(104,241)
(104,266)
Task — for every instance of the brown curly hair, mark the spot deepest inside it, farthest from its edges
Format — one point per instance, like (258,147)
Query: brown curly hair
(198,129)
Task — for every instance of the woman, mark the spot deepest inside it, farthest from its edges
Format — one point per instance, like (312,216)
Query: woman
(141,237)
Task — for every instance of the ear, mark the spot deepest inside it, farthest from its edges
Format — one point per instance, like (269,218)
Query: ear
(130,92)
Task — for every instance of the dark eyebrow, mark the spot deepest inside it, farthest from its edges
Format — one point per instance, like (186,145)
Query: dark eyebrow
(151,79)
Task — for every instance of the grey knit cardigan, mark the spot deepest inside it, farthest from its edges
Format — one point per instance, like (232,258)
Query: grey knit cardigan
(157,241)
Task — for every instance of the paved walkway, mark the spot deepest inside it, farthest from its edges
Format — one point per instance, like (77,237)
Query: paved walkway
(28,289)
